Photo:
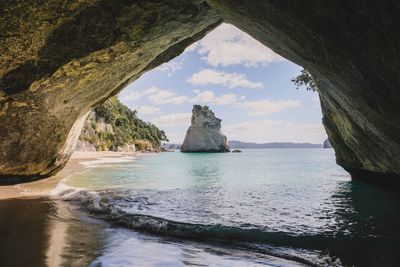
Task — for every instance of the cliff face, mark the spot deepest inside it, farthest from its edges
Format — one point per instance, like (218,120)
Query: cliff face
(114,127)
(59,60)
(97,135)
(352,49)
(204,133)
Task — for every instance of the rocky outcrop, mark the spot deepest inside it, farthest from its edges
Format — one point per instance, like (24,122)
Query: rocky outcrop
(89,138)
(352,50)
(85,146)
(113,126)
(59,60)
(204,133)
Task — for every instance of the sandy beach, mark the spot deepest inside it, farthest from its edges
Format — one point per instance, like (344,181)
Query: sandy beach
(47,237)
(43,187)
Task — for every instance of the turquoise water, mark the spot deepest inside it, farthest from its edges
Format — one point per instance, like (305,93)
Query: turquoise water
(275,207)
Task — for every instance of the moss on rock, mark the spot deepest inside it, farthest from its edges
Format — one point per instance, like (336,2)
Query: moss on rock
(60,60)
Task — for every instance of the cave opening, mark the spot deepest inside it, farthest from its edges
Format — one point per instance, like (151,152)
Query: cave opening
(275,206)
(245,83)
(79,62)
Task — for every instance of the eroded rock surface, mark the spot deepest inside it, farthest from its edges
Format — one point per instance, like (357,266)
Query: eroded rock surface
(352,48)
(60,59)
(204,133)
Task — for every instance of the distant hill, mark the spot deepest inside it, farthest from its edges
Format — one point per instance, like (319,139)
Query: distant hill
(238,144)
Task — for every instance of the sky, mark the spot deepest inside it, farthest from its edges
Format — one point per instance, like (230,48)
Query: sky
(246,84)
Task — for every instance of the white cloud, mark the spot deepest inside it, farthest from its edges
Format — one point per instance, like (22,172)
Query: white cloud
(173,120)
(157,96)
(263,107)
(252,127)
(227,45)
(137,95)
(151,90)
(265,131)
(208,97)
(192,47)
(133,96)
(171,67)
(227,99)
(146,109)
(230,80)
(316,101)
(204,97)
(163,97)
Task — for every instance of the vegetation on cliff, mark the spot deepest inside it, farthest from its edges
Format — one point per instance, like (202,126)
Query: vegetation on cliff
(113,126)
(305,79)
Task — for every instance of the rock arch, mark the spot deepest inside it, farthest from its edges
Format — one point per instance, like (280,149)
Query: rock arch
(59,60)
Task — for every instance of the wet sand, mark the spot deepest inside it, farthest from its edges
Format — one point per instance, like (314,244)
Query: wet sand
(43,232)
(37,230)
(43,187)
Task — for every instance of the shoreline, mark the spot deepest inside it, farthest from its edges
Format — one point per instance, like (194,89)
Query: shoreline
(43,187)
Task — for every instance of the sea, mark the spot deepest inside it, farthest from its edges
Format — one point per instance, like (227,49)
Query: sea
(261,207)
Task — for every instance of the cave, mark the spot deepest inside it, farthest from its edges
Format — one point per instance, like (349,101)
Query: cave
(60,60)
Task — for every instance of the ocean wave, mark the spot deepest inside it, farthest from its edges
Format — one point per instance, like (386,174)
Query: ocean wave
(107,161)
(62,190)
(113,206)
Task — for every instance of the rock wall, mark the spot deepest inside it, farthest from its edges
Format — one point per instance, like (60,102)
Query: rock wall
(85,146)
(88,138)
(60,59)
(352,49)
(204,133)
(112,126)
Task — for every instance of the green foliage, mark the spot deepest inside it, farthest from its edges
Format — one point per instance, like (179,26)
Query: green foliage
(93,124)
(127,127)
(305,79)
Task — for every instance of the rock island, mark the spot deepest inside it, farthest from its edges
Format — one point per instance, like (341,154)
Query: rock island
(204,133)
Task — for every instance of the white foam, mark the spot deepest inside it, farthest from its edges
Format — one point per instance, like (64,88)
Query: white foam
(63,190)
(107,161)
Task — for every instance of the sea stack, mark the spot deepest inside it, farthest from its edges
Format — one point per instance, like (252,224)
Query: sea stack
(204,133)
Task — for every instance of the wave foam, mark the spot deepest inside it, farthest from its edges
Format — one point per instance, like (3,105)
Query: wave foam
(107,161)
(111,206)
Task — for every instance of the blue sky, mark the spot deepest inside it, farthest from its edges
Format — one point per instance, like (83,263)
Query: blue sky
(245,83)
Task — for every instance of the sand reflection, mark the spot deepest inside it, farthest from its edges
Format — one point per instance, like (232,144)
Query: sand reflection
(43,232)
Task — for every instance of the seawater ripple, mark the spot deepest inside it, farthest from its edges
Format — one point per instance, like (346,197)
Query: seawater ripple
(250,239)
(294,204)
(109,205)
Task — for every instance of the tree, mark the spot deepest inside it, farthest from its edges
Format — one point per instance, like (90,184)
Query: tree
(127,127)
(305,79)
